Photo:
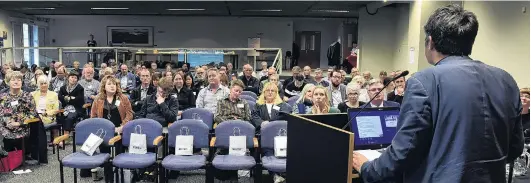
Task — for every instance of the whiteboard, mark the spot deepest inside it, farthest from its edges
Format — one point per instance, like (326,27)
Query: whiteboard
(253,42)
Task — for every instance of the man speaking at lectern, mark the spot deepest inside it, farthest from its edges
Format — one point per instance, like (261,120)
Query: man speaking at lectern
(460,120)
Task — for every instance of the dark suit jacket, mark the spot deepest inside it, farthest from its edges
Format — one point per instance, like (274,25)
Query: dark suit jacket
(391,96)
(136,94)
(459,122)
(164,113)
(260,114)
(252,84)
(79,98)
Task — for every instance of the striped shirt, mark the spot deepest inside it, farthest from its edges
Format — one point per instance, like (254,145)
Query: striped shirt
(208,99)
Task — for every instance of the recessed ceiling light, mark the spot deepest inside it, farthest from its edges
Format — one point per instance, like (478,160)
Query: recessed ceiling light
(38,8)
(186,9)
(109,8)
(273,10)
(332,11)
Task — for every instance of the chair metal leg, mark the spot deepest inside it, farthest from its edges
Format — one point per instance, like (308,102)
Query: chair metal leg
(209,169)
(61,172)
(75,175)
(122,175)
(117,178)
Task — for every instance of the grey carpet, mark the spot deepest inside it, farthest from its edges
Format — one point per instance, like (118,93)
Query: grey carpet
(49,173)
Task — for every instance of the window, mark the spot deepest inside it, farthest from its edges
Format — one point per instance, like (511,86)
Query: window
(26,42)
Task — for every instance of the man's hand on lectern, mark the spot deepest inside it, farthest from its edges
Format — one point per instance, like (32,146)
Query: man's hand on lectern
(358,160)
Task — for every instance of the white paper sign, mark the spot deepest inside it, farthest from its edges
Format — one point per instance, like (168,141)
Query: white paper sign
(281,146)
(184,145)
(237,145)
(391,120)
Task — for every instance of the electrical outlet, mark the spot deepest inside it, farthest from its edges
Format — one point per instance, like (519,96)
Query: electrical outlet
(524,9)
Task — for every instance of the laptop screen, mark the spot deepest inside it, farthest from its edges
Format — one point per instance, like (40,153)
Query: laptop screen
(373,128)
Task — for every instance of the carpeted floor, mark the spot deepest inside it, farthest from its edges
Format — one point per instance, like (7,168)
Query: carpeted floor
(49,173)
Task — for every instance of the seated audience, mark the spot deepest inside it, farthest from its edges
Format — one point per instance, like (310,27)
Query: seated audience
(273,78)
(375,85)
(59,80)
(168,74)
(293,86)
(304,103)
(161,106)
(184,95)
(201,79)
(367,75)
(155,78)
(233,107)
(127,79)
(89,84)
(71,96)
(208,97)
(268,106)
(224,80)
(33,84)
(270,71)
(397,95)
(307,73)
(364,94)
(46,102)
(250,82)
(111,104)
(264,71)
(352,99)
(321,102)
(16,106)
(319,78)
(142,91)
(337,91)
(189,83)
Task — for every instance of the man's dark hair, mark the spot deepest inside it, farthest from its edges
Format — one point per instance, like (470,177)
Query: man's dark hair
(453,30)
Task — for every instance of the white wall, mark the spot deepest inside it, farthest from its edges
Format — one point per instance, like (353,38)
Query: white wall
(401,48)
(377,37)
(503,37)
(206,32)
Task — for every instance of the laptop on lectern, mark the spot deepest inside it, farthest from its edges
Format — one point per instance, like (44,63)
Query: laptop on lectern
(373,128)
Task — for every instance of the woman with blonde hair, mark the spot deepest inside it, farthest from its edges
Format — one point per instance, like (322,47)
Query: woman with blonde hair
(111,104)
(321,102)
(268,106)
(304,103)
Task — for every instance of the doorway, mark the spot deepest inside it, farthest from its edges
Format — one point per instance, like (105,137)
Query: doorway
(310,48)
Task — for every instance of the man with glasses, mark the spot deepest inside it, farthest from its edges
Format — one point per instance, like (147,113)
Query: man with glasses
(208,97)
(375,86)
(89,84)
(337,90)
(200,80)
(250,82)
(60,79)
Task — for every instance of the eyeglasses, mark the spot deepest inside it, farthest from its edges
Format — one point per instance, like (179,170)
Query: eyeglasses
(352,94)
(270,91)
(525,95)
(376,89)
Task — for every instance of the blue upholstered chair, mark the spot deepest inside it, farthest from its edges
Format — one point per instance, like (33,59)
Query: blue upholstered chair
(200,132)
(232,162)
(292,100)
(79,160)
(251,105)
(267,142)
(248,98)
(153,131)
(251,94)
(206,116)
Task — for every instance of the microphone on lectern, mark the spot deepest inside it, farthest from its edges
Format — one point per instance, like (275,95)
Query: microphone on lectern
(405,73)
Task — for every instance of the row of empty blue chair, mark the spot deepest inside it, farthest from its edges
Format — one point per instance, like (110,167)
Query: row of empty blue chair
(154,134)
